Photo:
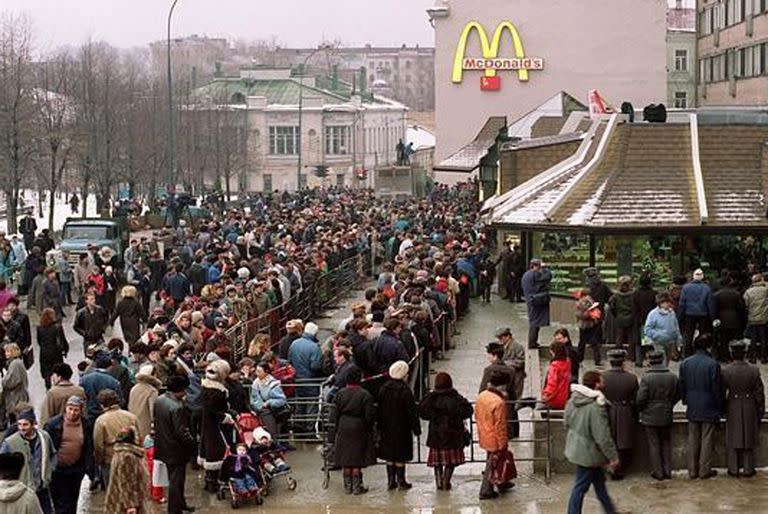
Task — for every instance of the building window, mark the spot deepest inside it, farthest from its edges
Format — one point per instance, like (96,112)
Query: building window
(302,181)
(734,12)
(337,140)
(681,60)
(705,21)
(267,178)
(681,100)
(284,140)
(340,180)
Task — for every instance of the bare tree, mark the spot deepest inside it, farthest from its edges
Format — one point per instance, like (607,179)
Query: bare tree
(17,109)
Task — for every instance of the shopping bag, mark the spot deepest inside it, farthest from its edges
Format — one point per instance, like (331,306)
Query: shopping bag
(503,467)
(160,474)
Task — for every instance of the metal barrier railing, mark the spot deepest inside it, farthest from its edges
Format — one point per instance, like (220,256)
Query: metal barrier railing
(326,291)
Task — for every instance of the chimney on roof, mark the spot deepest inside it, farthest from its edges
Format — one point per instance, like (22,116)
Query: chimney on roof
(363,78)
(678,4)
(335,77)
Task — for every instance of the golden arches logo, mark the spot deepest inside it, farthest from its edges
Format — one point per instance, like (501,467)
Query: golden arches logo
(490,62)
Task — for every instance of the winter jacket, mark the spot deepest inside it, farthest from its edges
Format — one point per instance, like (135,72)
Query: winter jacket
(398,421)
(445,410)
(584,314)
(661,327)
(491,419)
(53,347)
(354,418)
(620,389)
(557,384)
(644,299)
(177,286)
(306,357)
(91,324)
(131,314)
(696,300)
(622,306)
(93,382)
(174,443)
(106,429)
(17,498)
(701,388)
(141,402)
(14,385)
(16,443)
(657,395)
(267,394)
(588,443)
(756,299)
(387,349)
(535,285)
(56,399)
(55,428)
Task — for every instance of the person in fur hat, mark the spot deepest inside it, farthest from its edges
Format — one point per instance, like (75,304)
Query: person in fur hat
(128,489)
(214,403)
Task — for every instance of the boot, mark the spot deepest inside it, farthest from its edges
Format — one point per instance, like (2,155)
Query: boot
(347,484)
(401,483)
(391,477)
(357,485)
(439,477)
(447,474)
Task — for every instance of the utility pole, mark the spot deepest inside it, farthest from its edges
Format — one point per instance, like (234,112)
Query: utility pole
(169,124)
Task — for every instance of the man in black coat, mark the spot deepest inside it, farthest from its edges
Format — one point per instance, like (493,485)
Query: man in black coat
(731,311)
(173,440)
(620,389)
(70,468)
(656,397)
(388,349)
(744,408)
(91,321)
(27,228)
(495,354)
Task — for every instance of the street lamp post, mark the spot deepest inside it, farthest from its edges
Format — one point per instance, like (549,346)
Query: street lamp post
(169,124)
(301,105)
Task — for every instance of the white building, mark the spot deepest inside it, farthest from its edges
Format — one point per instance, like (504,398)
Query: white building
(281,131)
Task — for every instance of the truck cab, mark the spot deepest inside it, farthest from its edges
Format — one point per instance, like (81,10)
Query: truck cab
(78,233)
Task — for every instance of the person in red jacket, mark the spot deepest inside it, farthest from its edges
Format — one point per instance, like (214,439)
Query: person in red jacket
(558,381)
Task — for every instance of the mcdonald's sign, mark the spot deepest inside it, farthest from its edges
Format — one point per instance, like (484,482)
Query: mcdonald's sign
(490,62)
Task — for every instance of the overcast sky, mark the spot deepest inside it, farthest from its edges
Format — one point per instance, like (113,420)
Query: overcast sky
(128,23)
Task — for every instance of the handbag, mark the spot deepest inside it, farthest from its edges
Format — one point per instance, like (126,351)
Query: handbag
(467,438)
(28,356)
(503,468)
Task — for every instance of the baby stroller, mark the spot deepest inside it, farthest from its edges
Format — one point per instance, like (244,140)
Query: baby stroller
(241,478)
(269,455)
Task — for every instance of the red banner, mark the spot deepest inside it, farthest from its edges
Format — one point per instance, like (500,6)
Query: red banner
(490,83)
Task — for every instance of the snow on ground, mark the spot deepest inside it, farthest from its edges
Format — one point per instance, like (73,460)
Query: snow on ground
(420,137)
(61,212)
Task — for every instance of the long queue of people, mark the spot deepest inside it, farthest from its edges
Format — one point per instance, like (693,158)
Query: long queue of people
(171,386)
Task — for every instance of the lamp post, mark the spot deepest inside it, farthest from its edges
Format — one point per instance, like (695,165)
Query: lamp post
(169,124)
(301,105)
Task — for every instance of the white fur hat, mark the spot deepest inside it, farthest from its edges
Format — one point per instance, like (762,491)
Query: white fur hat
(398,370)
(259,433)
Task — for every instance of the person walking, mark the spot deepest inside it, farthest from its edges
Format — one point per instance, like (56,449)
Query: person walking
(354,417)
(97,380)
(657,395)
(54,347)
(39,457)
(131,313)
(91,322)
(59,394)
(72,438)
(107,428)
(491,417)
(535,285)
(701,393)
(128,489)
(174,442)
(696,309)
(588,442)
(51,294)
(398,422)
(445,410)
(744,410)
(15,496)
(141,400)
(15,381)
(620,389)
(756,301)
(662,329)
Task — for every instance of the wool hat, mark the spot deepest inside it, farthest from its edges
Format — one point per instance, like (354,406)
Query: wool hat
(243,273)
(698,274)
(212,357)
(177,383)
(75,401)
(146,370)
(398,370)
(311,329)
(28,415)
(217,370)
(503,331)
(197,317)
(102,359)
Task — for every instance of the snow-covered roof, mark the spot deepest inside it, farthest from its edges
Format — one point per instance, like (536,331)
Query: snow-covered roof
(420,137)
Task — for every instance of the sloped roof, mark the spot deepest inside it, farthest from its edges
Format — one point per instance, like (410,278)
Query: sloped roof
(467,158)
(277,92)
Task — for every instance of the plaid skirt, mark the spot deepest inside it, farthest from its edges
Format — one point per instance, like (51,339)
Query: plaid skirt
(438,457)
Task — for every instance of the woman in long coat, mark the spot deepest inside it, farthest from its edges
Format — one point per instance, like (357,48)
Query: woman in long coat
(215,406)
(131,314)
(15,382)
(354,417)
(53,344)
(446,410)
(398,422)
(128,481)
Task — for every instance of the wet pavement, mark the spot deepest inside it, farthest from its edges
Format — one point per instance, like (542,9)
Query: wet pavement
(531,495)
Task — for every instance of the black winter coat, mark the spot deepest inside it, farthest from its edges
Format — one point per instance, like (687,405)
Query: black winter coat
(354,417)
(131,314)
(657,395)
(285,344)
(744,404)
(53,347)
(55,428)
(446,411)
(214,407)
(173,441)
(730,309)
(645,302)
(620,389)
(398,421)
(388,349)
